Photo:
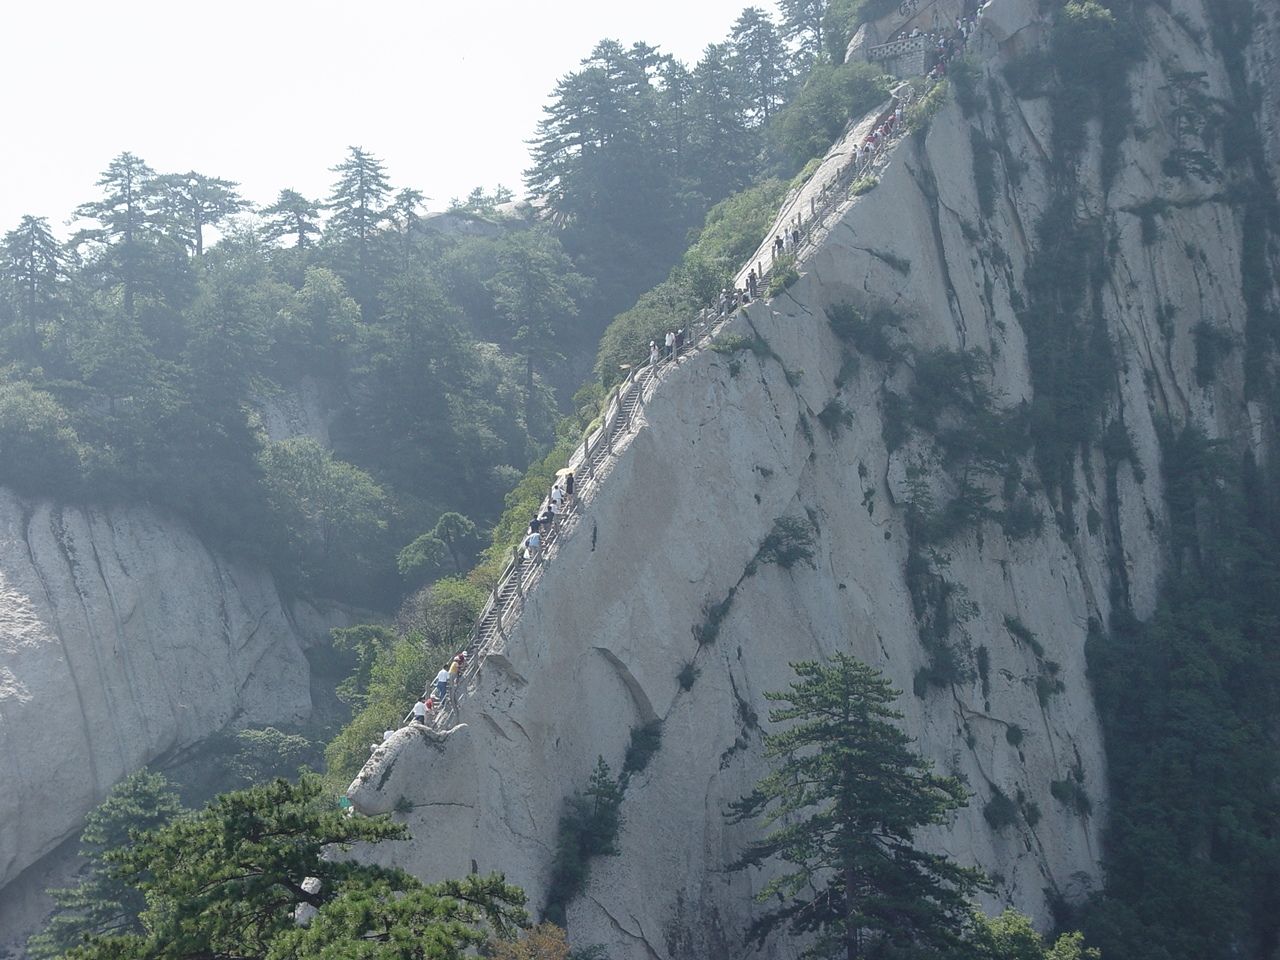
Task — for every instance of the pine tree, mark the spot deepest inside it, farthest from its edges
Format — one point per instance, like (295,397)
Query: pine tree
(189,202)
(358,202)
(126,222)
(759,58)
(535,288)
(230,880)
(802,22)
(677,115)
(292,215)
(603,171)
(723,147)
(405,217)
(458,534)
(843,799)
(102,903)
(32,264)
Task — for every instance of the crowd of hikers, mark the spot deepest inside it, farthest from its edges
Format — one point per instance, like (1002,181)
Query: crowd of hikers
(785,243)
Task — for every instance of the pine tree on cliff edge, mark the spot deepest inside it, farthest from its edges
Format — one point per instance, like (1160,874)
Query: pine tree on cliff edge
(841,804)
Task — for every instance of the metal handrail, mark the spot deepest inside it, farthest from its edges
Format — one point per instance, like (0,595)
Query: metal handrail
(707,321)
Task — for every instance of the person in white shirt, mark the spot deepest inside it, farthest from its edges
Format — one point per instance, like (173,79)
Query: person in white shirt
(442,683)
(532,544)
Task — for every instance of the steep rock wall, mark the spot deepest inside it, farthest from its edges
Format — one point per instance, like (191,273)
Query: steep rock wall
(732,442)
(124,638)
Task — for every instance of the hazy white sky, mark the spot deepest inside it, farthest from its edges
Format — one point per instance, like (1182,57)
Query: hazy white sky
(270,93)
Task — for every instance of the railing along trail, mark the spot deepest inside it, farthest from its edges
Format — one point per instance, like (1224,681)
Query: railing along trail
(519,576)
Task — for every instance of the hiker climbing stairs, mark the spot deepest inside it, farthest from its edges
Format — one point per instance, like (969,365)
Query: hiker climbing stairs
(621,418)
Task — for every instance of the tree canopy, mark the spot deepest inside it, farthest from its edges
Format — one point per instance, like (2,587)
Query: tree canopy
(259,874)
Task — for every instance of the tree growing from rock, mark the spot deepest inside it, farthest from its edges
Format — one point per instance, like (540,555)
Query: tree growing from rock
(841,804)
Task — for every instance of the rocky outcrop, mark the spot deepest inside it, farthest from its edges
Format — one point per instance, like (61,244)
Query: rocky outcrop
(123,638)
(658,606)
(296,411)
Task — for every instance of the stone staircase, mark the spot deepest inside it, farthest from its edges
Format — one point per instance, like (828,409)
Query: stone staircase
(590,461)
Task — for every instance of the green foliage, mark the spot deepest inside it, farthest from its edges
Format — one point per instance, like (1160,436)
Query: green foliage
(227,880)
(1068,348)
(1071,793)
(782,275)
(1046,687)
(788,543)
(965,76)
(841,802)
(1089,51)
(522,504)
(536,291)
(864,185)
(806,173)
(393,669)
(588,828)
(365,643)
(1022,633)
(334,514)
(318,326)
(40,453)
(1000,811)
(731,233)
(139,357)
(1020,520)
(921,113)
(984,175)
(1013,734)
(422,560)
(102,902)
(843,17)
(459,536)
(292,216)
(713,615)
(1031,813)
(1011,936)
(644,743)
(1186,700)
(688,675)
(1030,74)
(834,416)
(244,758)
(267,753)
(733,343)
(950,400)
(602,170)
(831,96)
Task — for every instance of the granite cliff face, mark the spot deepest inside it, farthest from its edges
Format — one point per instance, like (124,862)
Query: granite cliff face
(124,638)
(983,623)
